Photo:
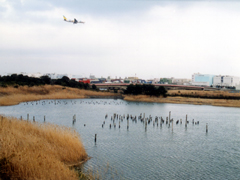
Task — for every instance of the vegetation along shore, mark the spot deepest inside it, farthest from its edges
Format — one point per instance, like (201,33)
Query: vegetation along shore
(11,96)
(198,97)
(38,151)
(15,89)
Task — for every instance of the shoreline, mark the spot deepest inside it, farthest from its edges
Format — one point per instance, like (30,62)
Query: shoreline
(13,96)
(184,100)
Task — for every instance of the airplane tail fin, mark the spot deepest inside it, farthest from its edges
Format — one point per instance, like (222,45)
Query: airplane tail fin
(65,19)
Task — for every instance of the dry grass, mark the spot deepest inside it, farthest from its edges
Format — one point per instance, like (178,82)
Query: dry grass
(38,151)
(185,100)
(12,96)
(210,94)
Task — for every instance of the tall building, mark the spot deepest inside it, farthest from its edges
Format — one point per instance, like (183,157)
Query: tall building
(202,79)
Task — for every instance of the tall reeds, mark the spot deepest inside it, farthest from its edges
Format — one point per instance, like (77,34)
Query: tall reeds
(38,151)
(11,96)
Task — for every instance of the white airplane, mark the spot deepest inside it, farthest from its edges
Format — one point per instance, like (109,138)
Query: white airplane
(73,21)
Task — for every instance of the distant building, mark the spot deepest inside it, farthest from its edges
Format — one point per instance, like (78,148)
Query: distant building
(36,75)
(58,76)
(92,77)
(131,79)
(226,81)
(202,79)
(181,81)
(153,81)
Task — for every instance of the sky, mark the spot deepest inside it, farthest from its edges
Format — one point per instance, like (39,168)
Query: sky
(120,38)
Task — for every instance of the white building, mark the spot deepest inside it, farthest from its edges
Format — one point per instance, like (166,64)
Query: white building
(58,76)
(227,81)
(231,81)
(36,75)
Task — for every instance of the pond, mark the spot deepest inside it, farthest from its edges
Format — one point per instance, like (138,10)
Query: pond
(153,152)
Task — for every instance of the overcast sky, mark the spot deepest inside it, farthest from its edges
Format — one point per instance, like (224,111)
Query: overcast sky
(149,39)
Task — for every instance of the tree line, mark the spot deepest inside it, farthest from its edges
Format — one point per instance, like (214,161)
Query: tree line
(145,90)
(21,80)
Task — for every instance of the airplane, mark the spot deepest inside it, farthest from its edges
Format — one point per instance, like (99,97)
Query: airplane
(73,21)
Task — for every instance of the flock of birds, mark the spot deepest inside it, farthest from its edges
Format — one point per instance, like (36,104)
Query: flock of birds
(73,102)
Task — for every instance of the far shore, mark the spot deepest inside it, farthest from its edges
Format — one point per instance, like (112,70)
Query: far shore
(14,96)
(185,100)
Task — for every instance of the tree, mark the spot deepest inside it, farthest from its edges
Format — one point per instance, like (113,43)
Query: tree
(46,79)
(145,89)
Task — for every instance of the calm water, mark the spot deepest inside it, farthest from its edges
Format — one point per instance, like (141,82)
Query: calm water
(158,153)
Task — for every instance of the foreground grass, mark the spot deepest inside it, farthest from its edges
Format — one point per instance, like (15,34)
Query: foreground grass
(13,96)
(38,151)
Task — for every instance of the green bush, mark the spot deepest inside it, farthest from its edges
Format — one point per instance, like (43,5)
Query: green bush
(145,90)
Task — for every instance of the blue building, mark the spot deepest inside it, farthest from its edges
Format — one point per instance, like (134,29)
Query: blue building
(202,79)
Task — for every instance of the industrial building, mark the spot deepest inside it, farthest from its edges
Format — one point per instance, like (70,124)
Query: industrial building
(202,79)
(226,81)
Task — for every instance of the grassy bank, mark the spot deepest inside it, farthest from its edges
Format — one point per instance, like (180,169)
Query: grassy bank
(204,94)
(38,151)
(182,99)
(11,96)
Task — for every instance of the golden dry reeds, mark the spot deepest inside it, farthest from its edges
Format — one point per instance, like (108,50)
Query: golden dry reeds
(12,96)
(38,151)
(184,100)
(199,93)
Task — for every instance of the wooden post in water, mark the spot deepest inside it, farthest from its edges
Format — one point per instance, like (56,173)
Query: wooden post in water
(33,118)
(119,123)
(161,123)
(44,118)
(172,124)
(207,128)
(145,125)
(186,121)
(169,116)
(20,117)
(95,138)
(128,124)
(27,116)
